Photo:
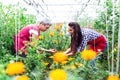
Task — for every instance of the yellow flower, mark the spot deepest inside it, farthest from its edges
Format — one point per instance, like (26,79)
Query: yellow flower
(60,24)
(56,41)
(64,62)
(69,59)
(33,43)
(57,27)
(62,34)
(46,63)
(113,77)
(51,57)
(78,64)
(114,50)
(88,54)
(72,66)
(63,66)
(15,68)
(55,62)
(60,57)
(51,34)
(22,78)
(58,74)
(41,37)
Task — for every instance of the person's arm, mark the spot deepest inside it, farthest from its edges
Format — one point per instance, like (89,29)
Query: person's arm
(50,50)
(46,50)
(34,36)
(68,51)
(71,53)
(25,42)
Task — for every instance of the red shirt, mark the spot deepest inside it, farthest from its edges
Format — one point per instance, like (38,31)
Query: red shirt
(24,35)
(95,40)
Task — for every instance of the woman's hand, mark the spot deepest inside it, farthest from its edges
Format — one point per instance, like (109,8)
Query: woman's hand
(65,52)
(68,51)
(25,42)
(70,54)
(37,51)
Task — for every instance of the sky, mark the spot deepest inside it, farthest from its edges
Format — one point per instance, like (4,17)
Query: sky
(60,10)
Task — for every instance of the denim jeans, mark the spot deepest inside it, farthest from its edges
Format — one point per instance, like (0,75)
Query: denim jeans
(94,61)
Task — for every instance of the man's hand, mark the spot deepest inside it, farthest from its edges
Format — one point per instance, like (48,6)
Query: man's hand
(25,42)
(37,51)
(52,50)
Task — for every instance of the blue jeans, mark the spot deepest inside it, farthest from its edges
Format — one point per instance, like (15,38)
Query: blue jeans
(94,61)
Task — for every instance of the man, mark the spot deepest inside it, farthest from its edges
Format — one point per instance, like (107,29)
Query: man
(25,34)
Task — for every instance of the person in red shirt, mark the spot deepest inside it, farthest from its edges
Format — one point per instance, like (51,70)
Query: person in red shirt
(23,37)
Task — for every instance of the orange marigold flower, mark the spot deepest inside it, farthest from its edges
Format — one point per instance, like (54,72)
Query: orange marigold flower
(60,57)
(22,78)
(15,68)
(58,74)
(113,77)
(88,54)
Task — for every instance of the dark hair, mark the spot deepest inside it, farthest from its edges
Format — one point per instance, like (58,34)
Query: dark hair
(77,37)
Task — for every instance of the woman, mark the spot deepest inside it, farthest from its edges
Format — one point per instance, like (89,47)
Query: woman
(81,37)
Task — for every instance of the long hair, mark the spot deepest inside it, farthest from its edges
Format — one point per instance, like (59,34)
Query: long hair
(76,38)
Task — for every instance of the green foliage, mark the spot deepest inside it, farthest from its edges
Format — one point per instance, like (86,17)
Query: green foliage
(86,71)
(105,25)
(107,15)
(12,19)
(55,39)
